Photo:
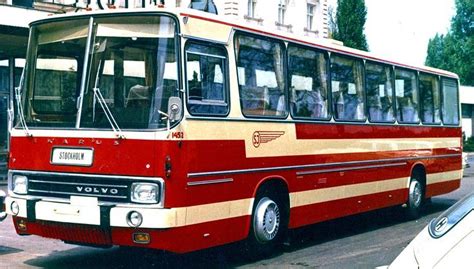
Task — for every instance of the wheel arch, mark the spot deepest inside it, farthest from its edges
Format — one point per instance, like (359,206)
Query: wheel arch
(280,187)
(420,170)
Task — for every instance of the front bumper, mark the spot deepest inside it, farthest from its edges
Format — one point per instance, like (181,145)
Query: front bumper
(83,210)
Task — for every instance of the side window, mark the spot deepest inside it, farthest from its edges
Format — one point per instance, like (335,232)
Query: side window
(380,89)
(308,83)
(206,79)
(347,89)
(260,66)
(450,106)
(430,101)
(406,93)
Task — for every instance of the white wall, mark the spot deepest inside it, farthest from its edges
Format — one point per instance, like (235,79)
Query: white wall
(267,12)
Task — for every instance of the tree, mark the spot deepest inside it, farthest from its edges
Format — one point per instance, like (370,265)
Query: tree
(455,51)
(349,23)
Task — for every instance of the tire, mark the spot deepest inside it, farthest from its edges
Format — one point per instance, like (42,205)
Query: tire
(415,197)
(268,225)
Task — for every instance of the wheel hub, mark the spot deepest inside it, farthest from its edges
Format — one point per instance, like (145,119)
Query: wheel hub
(266,220)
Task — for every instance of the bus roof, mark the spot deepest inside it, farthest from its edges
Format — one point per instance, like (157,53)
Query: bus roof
(321,43)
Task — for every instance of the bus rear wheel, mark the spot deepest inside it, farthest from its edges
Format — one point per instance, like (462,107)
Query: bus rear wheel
(415,197)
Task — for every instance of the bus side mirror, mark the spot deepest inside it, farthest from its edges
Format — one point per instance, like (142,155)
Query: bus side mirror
(175,107)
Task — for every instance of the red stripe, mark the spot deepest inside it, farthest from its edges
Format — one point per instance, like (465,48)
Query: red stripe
(439,72)
(442,187)
(353,131)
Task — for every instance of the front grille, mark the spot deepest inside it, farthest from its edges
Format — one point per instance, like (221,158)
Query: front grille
(63,186)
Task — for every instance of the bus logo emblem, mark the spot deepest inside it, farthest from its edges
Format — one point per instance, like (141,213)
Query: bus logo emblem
(261,137)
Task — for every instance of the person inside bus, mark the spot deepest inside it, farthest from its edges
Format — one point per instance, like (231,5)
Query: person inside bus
(138,102)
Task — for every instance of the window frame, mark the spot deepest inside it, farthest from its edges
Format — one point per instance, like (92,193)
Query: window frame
(328,81)
(285,72)
(310,6)
(392,80)
(458,103)
(417,88)
(225,73)
(364,97)
(421,107)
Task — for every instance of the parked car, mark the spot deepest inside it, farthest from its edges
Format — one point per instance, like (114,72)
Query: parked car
(465,160)
(3,214)
(447,242)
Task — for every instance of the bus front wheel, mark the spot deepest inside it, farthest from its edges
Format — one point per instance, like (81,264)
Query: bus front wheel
(268,224)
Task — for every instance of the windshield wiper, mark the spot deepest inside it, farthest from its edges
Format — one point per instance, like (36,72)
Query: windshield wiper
(103,104)
(20,105)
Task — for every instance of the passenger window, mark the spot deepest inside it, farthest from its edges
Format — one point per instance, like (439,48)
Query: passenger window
(308,83)
(261,76)
(450,106)
(379,83)
(347,89)
(406,93)
(206,74)
(430,101)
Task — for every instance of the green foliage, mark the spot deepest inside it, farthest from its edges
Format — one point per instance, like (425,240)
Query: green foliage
(468,145)
(455,51)
(348,26)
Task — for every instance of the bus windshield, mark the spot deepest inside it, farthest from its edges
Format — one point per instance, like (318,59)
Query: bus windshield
(130,73)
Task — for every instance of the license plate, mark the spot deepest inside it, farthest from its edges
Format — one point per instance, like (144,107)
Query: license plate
(72,156)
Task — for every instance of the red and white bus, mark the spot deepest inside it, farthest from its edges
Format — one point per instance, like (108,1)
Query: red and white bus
(177,130)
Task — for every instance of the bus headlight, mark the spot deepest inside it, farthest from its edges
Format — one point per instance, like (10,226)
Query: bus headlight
(145,193)
(20,184)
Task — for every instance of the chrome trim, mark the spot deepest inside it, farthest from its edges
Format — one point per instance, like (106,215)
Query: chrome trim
(208,182)
(84,184)
(319,165)
(160,203)
(79,194)
(80,98)
(305,173)
(25,172)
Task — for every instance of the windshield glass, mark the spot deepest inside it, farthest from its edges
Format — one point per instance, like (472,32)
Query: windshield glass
(132,72)
(53,81)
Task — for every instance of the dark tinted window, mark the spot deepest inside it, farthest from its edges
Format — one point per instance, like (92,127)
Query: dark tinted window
(430,101)
(380,89)
(260,66)
(206,79)
(307,74)
(406,93)
(450,107)
(347,89)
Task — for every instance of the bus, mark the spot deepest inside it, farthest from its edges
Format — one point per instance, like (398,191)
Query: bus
(179,130)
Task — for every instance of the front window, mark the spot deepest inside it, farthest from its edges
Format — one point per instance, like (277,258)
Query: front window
(131,73)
